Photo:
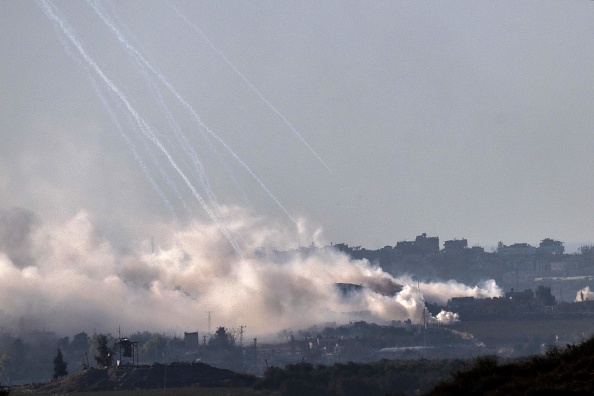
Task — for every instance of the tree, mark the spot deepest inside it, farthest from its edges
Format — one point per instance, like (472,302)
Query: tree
(104,355)
(80,342)
(544,296)
(222,339)
(60,366)
(16,364)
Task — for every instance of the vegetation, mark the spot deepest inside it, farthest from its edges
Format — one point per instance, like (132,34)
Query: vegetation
(60,366)
(104,356)
(566,371)
(223,338)
(384,377)
(562,371)
(544,296)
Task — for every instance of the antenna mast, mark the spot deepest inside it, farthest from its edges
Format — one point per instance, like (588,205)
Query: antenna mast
(241,334)
(208,312)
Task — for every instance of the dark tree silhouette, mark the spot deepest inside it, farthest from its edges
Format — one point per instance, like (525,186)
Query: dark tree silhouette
(544,296)
(80,342)
(60,366)
(104,354)
(222,339)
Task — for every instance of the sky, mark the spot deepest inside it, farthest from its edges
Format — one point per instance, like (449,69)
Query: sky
(125,127)
(461,120)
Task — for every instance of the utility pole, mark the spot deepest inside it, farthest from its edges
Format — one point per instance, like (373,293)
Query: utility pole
(209,312)
(120,344)
(241,334)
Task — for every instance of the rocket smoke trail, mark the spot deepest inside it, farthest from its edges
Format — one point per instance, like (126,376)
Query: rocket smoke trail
(181,138)
(73,274)
(133,148)
(144,127)
(188,106)
(135,153)
(155,161)
(248,82)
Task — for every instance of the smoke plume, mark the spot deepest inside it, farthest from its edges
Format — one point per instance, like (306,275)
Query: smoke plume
(584,294)
(68,277)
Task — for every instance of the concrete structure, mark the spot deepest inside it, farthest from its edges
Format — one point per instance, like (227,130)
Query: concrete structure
(551,246)
(455,245)
(517,249)
(421,245)
(191,340)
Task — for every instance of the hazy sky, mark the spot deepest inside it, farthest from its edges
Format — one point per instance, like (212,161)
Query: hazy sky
(468,119)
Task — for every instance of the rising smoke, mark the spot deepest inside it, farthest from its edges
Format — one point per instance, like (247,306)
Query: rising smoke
(68,277)
(584,294)
(75,280)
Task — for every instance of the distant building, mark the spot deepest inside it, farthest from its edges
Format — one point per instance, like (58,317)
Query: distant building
(427,245)
(455,245)
(191,340)
(406,247)
(457,302)
(551,246)
(517,249)
(422,245)
(520,296)
(476,249)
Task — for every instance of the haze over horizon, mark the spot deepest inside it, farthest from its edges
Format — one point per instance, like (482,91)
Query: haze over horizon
(234,126)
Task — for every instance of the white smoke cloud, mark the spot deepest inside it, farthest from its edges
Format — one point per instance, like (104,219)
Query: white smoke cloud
(584,294)
(77,281)
(446,317)
(441,292)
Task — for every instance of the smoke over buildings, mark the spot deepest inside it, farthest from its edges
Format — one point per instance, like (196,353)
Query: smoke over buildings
(213,129)
(74,279)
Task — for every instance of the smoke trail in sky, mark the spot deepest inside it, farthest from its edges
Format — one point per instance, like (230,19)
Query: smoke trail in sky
(187,105)
(248,82)
(183,141)
(144,127)
(152,156)
(133,148)
(185,144)
(269,287)
(157,163)
(189,150)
